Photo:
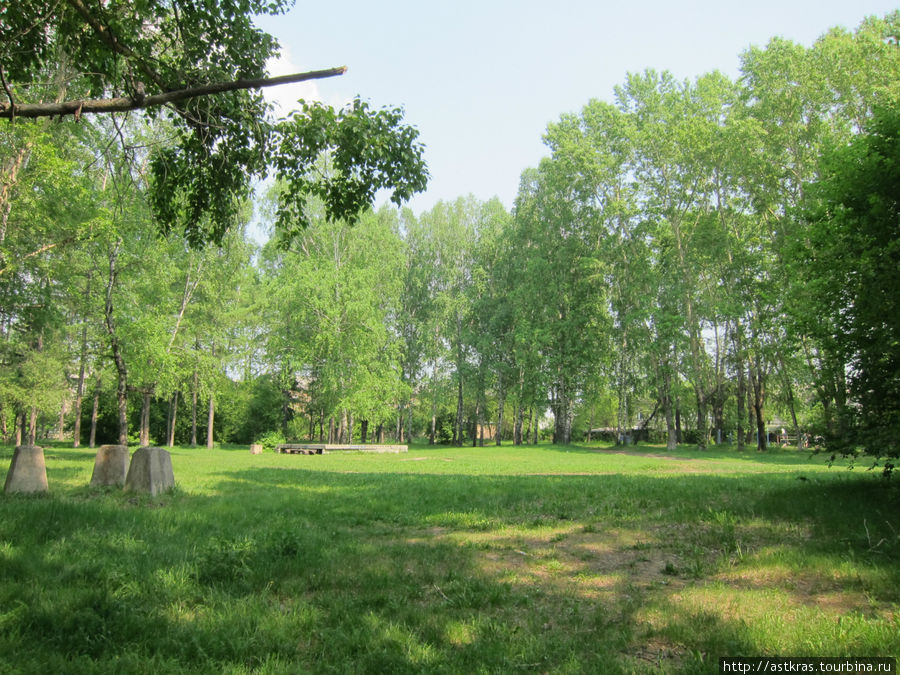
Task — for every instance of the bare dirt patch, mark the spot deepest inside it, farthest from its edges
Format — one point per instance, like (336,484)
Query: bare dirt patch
(567,559)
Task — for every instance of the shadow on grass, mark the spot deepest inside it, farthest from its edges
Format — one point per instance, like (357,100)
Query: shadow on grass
(684,451)
(291,568)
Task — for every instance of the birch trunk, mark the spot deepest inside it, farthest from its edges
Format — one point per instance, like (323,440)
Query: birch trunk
(94,414)
(210,422)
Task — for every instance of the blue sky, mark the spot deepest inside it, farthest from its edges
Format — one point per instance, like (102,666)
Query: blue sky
(481,79)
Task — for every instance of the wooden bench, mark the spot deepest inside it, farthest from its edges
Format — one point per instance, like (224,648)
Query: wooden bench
(322,448)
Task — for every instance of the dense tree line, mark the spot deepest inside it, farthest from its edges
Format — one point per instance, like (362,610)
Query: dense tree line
(693,262)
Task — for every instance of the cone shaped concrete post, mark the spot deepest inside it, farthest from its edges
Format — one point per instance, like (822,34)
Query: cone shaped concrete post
(110,466)
(150,471)
(27,471)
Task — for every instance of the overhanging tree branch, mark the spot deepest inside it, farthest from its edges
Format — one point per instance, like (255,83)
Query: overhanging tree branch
(112,41)
(122,104)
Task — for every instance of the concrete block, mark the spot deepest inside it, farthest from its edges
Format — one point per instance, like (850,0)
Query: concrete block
(110,466)
(27,471)
(150,471)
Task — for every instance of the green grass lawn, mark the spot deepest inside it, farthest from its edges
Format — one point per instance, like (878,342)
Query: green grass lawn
(450,560)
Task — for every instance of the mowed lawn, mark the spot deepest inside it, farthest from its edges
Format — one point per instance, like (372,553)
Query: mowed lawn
(548,559)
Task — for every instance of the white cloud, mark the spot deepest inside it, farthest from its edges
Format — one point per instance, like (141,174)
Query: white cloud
(284,97)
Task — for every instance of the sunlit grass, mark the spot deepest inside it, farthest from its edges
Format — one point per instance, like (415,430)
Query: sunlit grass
(582,559)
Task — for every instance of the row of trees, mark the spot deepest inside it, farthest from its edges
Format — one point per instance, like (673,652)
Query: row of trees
(90,292)
(670,265)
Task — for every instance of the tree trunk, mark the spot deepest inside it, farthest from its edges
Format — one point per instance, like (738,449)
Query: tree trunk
(664,378)
(432,437)
(146,400)
(562,415)
(79,396)
(379,432)
(476,422)
(758,386)
(286,400)
(679,435)
(169,422)
(591,424)
(785,376)
(501,403)
(741,388)
(8,180)
(61,428)
(718,413)
(458,429)
(751,418)
(342,427)
(194,387)
(671,431)
(32,427)
(517,425)
(519,412)
(210,420)
(364,431)
(118,359)
(622,395)
(94,413)
(702,421)
(79,389)
(173,417)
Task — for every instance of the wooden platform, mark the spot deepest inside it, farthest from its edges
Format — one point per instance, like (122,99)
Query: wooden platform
(323,448)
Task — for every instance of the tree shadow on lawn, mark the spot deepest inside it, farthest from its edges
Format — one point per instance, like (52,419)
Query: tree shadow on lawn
(625,541)
(774,455)
(365,572)
(837,509)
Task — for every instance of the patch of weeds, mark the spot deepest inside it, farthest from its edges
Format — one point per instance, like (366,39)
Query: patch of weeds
(538,522)
(472,592)
(670,569)
(696,564)
(227,563)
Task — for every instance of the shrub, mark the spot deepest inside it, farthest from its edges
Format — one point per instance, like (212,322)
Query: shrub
(271,439)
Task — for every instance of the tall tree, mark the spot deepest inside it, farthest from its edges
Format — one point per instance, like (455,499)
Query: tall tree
(850,269)
(570,308)
(331,330)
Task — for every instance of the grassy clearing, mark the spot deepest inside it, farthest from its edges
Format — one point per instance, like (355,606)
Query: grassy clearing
(450,560)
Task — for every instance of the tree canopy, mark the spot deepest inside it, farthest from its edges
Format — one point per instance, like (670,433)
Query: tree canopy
(850,268)
(696,261)
(144,52)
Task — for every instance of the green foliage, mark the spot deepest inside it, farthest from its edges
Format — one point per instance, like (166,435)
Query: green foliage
(332,301)
(365,151)
(219,144)
(271,439)
(849,261)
